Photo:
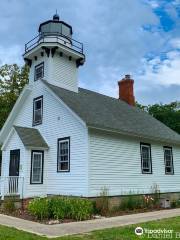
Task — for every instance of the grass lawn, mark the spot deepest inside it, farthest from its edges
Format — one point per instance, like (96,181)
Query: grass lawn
(121,233)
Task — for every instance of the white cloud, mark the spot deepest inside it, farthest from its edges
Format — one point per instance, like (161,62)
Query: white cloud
(153,3)
(162,72)
(115,41)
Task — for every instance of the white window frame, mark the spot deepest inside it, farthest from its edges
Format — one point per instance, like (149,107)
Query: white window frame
(35,110)
(41,153)
(171,163)
(39,66)
(59,161)
(148,146)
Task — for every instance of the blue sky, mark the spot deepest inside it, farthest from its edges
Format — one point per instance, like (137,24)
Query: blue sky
(140,37)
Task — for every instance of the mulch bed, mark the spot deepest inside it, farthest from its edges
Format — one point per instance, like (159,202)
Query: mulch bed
(24,214)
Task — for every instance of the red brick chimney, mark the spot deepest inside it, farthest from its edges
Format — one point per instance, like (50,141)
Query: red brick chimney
(126,90)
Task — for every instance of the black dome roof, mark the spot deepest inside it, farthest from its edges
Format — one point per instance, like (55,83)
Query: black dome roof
(56,17)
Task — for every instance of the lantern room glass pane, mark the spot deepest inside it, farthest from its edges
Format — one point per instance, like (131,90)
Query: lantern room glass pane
(66,30)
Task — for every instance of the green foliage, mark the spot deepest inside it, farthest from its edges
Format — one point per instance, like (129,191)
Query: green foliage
(12,80)
(175,203)
(40,208)
(169,114)
(80,209)
(9,206)
(132,202)
(61,208)
(102,202)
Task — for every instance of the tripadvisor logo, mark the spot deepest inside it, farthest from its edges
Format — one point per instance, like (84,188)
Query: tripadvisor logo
(139,231)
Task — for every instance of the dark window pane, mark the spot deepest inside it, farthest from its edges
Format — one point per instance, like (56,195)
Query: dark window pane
(38,111)
(64,166)
(39,71)
(38,104)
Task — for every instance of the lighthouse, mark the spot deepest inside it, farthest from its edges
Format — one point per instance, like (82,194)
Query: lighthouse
(54,56)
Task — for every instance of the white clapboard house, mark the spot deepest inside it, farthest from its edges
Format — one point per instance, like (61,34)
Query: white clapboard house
(60,139)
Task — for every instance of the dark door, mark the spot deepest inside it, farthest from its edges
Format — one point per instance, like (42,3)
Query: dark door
(14,162)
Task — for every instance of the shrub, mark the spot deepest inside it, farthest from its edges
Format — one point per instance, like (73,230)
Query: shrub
(175,203)
(81,209)
(102,202)
(9,205)
(61,208)
(131,202)
(40,208)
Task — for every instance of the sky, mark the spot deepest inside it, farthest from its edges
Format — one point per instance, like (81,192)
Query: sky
(137,37)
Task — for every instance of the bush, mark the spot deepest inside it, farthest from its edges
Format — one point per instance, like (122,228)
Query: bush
(9,206)
(131,202)
(175,203)
(81,209)
(61,208)
(40,208)
(102,202)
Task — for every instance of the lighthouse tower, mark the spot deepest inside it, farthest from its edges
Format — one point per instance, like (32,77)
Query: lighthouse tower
(54,55)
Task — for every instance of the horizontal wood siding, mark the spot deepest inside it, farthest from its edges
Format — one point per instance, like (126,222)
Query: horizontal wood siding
(58,122)
(59,71)
(64,73)
(115,163)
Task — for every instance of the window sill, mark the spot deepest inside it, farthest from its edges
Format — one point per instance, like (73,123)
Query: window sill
(36,183)
(36,124)
(147,173)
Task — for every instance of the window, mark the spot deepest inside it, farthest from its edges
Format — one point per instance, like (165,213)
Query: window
(39,71)
(63,158)
(146,161)
(37,160)
(168,160)
(37,110)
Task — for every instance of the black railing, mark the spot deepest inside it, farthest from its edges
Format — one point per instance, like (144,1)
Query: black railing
(57,38)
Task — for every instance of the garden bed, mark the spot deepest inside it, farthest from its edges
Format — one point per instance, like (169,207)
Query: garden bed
(24,214)
(56,210)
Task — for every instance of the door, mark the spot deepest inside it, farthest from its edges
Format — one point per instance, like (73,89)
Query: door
(14,162)
(13,180)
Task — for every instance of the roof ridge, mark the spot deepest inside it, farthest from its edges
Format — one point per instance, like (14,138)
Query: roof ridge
(100,110)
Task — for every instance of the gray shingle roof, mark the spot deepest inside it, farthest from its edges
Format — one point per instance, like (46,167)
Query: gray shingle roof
(105,112)
(31,137)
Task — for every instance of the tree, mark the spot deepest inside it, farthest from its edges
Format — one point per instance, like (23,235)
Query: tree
(169,114)
(12,80)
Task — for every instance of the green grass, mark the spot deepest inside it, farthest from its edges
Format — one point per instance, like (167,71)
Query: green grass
(121,233)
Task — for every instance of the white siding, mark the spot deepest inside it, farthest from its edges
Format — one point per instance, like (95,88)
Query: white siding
(59,71)
(58,122)
(115,163)
(35,63)
(13,144)
(64,73)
